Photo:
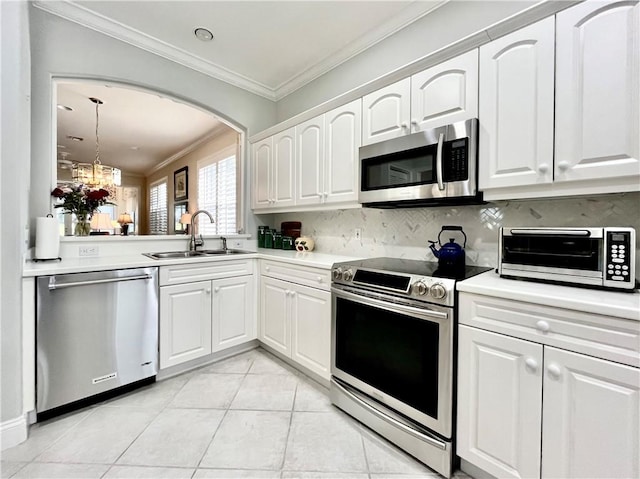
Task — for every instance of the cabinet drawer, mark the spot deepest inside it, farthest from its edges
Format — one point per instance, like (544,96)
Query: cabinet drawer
(186,273)
(314,277)
(596,335)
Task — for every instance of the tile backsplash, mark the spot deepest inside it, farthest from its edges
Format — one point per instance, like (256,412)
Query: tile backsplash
(404,233)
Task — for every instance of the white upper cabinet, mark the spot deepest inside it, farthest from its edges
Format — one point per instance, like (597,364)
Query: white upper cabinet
(597,91)
(516,108)
(310,159)
(262,163)
(445,93)
(283,170)
(386,113)
(343,134)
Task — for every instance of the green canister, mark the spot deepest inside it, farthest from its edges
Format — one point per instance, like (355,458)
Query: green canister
(261,234)
(268,238)
(287,243)
(277,239)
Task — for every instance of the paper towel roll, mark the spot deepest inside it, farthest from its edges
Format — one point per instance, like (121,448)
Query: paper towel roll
(47,238)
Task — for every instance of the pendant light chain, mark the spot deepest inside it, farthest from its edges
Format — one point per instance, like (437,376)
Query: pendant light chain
(98,103)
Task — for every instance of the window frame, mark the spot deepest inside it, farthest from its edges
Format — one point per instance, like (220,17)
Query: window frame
(156,183)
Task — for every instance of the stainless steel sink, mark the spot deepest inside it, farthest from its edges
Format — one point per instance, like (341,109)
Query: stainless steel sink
(194,254)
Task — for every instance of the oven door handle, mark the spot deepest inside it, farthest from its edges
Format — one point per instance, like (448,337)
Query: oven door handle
(390,420)
(389,306)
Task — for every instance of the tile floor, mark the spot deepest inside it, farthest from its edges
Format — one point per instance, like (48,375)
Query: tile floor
(247,416)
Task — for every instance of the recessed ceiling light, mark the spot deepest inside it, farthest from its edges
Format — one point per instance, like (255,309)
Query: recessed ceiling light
(65,108)
(135,148)
(62,147)
(203,34)
(74,138)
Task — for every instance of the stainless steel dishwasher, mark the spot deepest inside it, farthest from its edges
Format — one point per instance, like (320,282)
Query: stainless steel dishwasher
(95,332)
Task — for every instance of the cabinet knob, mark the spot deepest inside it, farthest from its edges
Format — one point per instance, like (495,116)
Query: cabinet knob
(288,292)
(208,290)
(531,364)
(404,125)
(554,371)
(414,122)
(216,289)
(563,165)
(319,279)
(543,168)
(267,268)
(543,326)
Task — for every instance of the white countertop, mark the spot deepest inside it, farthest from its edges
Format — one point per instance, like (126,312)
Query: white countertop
(608,303)
(101,263)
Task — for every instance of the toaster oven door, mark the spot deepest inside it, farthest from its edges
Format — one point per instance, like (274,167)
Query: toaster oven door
(553,254)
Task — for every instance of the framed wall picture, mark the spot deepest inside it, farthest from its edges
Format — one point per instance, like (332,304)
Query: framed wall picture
(181,184)
(178,210)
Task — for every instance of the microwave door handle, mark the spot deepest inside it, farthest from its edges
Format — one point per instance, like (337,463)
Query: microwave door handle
(549,232)
(439,162)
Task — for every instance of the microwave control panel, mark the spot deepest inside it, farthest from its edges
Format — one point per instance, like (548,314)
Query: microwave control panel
(619,250)
(456,165)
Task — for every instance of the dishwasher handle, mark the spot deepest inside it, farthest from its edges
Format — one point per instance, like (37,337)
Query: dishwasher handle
(54,286)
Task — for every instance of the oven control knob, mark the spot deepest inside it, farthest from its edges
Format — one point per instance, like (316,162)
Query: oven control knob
(438,291)
(420,288)
(347,275)
(337,273)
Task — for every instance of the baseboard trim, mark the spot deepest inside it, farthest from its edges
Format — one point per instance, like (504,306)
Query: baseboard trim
(13,432)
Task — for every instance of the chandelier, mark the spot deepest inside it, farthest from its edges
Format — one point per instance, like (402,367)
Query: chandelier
(97,175)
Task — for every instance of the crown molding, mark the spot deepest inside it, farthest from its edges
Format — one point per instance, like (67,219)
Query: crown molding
(188,149)
(83,16)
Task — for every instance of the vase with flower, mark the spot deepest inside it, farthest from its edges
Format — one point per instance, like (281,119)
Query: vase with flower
(82,202)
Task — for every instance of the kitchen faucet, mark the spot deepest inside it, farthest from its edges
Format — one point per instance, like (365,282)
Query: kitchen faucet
(195,242)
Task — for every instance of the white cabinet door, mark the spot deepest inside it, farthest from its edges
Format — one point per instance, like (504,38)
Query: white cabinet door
(262,193)
(283,169)
(597,91)
(310,161)
(275,314)
(185,322)
(386,112)
(343,137)
(233,312)
(516,108)
(445,93)
(591,417)
(499,403)
(311,329)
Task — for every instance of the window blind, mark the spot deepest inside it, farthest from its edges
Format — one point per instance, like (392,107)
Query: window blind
(158,208)
(217,195)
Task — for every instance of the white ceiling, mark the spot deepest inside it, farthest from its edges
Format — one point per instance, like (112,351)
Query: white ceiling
(137,130)
(268,47)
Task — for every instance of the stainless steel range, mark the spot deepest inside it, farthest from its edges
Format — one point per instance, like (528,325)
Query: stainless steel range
(392,351)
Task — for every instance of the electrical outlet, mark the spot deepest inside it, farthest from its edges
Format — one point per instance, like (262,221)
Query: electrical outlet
(88,251)
(237,243)
(357,233)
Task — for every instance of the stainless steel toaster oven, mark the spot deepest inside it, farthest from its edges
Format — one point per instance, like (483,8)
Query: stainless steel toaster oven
(598,257)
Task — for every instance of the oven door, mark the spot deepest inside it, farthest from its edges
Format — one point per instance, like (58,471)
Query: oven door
(396,351)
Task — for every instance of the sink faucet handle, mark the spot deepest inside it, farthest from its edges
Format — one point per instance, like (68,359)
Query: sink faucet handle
(224,243)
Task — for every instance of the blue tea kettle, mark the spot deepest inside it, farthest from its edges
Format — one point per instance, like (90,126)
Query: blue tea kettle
(450,255)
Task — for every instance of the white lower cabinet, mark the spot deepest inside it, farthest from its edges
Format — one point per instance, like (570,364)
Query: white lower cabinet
(499,403)
(185,322)
(198,318)
(528,409)
(295,320)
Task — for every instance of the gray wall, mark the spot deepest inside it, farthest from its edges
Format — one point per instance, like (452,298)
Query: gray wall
(451,22)
(63,48)
(14,172)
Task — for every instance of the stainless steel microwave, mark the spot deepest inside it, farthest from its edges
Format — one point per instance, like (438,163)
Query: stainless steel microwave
(432,167)
(601,257)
